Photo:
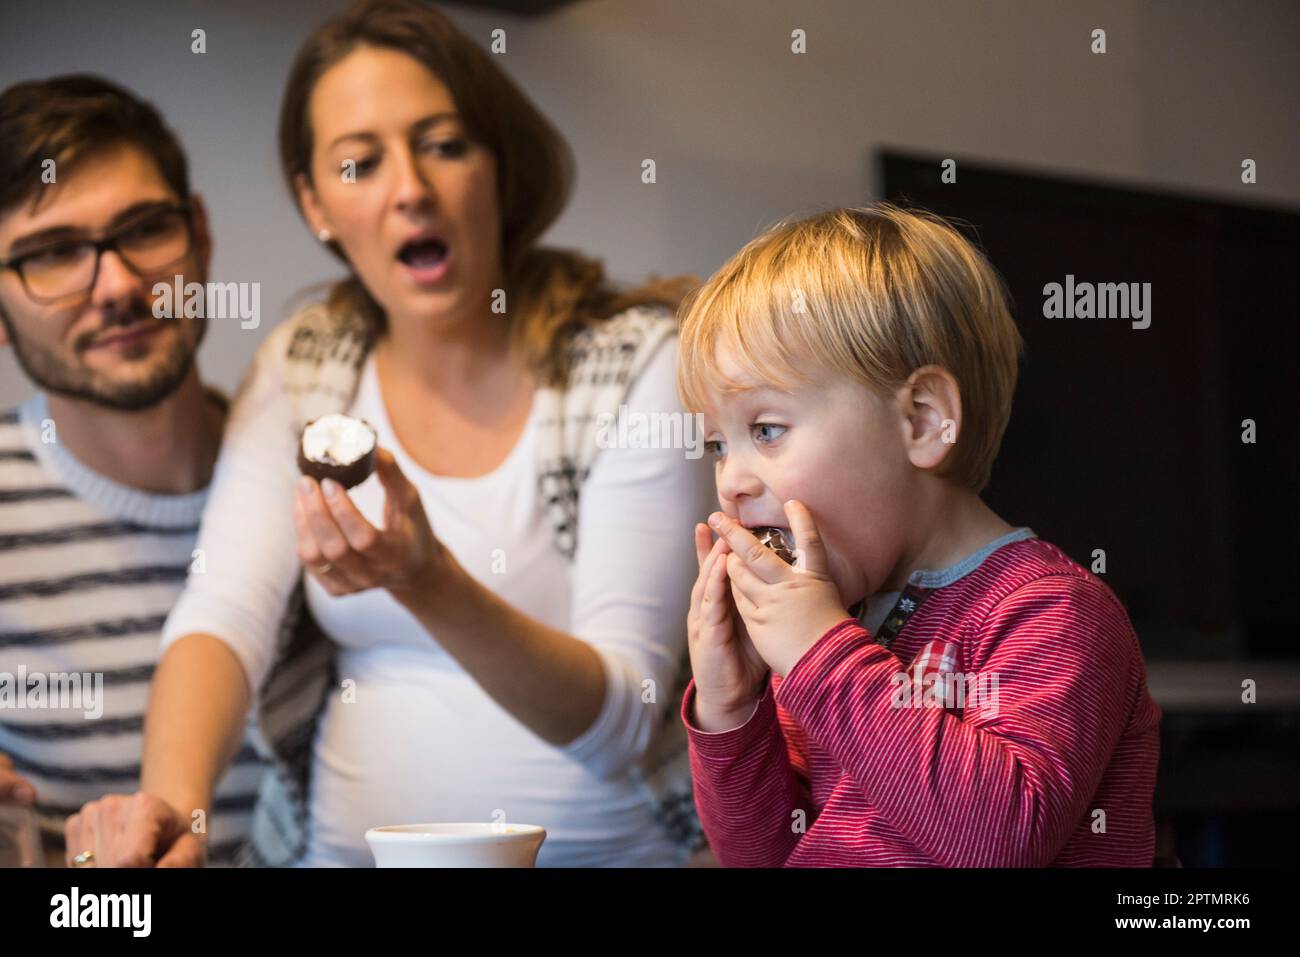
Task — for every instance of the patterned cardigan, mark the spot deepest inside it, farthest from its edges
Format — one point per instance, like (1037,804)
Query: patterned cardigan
(323,356)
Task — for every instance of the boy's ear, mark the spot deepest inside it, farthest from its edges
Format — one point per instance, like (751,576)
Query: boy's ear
(930,403)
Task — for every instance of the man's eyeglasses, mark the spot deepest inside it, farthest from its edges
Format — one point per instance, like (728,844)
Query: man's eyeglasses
(149,244)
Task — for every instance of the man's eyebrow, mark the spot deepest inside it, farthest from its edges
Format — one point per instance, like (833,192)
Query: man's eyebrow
(52,234)
(420,124)
(139,209)
(44,237)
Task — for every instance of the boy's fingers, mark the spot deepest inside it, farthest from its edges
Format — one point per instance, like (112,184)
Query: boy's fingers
(744,604)
(702,580)
(716,590)
(703,544)
(716,552)
(809,550)
(753,553)
(706,571)
(743,576)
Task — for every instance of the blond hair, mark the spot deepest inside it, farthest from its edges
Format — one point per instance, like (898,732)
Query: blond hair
(874,293)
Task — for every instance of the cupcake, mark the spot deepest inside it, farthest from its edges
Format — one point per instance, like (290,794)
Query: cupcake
(338,447)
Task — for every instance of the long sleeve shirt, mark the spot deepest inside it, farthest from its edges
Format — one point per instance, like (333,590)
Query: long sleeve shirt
(1049,760)
(88,570)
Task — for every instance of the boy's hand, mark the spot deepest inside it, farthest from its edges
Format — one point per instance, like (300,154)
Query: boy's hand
(728,670)
(785,609)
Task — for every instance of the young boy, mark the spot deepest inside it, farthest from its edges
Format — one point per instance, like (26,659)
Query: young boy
(985,701)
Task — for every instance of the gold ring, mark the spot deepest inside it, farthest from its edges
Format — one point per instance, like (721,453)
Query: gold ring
(83,859)
(323,569)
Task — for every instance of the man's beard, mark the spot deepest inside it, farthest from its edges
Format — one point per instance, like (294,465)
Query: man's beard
(54,376)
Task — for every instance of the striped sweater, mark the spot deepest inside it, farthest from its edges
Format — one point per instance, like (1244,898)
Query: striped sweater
(850,761)
(89,569)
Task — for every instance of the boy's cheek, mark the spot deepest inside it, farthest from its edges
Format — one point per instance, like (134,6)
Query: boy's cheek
(849,582)
(852,551)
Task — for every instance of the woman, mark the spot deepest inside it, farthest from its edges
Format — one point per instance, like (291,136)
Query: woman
(508,604)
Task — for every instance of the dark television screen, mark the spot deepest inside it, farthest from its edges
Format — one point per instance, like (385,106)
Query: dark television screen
(1130,440)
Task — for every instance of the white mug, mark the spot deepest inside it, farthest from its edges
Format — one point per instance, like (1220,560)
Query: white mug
(498,844)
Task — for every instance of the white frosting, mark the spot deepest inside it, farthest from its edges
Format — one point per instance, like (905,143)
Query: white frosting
(337,439)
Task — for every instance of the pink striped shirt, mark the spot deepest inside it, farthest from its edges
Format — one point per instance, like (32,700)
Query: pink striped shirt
(1054,763)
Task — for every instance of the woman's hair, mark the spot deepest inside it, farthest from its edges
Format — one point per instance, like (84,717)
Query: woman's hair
(873,293)
(552,292)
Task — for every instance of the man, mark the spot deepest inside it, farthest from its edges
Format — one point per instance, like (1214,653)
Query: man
(103,471)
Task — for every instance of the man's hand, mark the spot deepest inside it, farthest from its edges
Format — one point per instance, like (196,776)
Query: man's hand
(137,830)
(14,788)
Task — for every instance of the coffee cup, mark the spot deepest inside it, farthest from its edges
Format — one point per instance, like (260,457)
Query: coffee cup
(496,844)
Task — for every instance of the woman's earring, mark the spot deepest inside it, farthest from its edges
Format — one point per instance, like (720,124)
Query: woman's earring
(323,235)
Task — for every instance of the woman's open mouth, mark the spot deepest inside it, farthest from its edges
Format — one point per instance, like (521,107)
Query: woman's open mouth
(425,260)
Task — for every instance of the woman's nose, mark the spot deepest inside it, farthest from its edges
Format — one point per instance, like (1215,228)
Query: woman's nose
(413,189)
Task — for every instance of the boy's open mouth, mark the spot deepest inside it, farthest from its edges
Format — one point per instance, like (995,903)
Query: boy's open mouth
(780,540)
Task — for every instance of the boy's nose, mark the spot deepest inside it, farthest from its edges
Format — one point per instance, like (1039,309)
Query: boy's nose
(737,482)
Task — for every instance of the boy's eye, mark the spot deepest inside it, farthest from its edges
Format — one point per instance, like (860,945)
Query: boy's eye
(366,164)
(715,448)
(766,432)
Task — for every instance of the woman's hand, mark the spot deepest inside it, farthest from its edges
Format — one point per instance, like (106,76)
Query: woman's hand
(728,671)
(136,830)
(346,554)
(785,609)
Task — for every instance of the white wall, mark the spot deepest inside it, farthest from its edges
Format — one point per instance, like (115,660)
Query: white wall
(742,130)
